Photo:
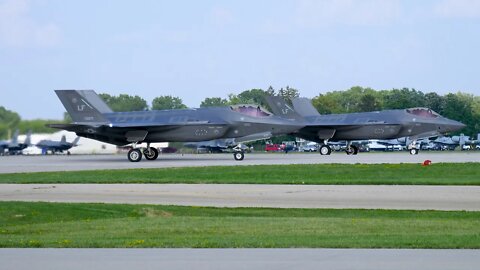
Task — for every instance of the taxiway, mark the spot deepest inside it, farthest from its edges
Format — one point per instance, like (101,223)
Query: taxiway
(17,164)
(232,195)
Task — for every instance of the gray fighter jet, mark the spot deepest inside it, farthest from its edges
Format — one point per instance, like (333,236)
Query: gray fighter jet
(5,144)
(413,123)
(57,146)
(452,142)
(14,147)
(92,118)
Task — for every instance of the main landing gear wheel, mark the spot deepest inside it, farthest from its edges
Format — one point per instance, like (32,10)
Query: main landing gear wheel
(238,156)
(150,153)
(325,150)
(351,150)
(134,155)
(413,151)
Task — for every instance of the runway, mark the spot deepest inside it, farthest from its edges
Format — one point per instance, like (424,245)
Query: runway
(200,259)
(275,196)
(15,164)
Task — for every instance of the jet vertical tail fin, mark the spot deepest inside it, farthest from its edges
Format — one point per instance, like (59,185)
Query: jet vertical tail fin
(28,139)
(14,139)
(280,108)
(80,108)
(63,140)
(304,107)
(74,143)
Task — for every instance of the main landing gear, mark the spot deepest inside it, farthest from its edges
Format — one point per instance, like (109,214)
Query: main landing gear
(351,150)
(135,154)
(325,149)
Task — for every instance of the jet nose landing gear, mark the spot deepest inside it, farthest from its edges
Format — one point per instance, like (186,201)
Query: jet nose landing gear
(238,156)
(413,151)
(238,152)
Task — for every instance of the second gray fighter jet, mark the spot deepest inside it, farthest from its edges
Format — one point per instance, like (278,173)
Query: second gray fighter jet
(413,123)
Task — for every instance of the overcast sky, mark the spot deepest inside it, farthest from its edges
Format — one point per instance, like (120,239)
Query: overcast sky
(197,49)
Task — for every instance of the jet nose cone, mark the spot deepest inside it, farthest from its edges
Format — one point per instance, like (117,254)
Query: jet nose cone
(455,125)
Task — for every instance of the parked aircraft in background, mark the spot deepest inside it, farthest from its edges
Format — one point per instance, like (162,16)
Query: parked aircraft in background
(14,147)
(452,142)
(389,124)
(403,142)
(57,146)
(92,118)
(4,144)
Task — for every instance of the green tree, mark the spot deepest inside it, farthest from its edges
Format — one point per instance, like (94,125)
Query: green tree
(355,99)
(435,102)
(368,103)
(288,93)
(403,98)
(167,103)
(9,120)
(214,102)
(124,103)
(459,107)
(327,104)
(36,126)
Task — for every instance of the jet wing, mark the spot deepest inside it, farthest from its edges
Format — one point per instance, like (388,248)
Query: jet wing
(167,124)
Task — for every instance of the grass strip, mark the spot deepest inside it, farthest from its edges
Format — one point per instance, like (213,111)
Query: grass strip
(27,224)
(324,174)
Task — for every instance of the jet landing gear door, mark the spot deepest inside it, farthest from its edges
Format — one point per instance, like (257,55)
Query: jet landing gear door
(325,135)
(136,135)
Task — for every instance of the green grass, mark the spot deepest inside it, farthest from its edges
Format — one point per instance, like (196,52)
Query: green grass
(25,224)
(343,174)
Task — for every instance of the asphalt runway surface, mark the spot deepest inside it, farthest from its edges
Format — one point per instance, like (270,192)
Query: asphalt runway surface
(15,164)
(233,259)
(276,196)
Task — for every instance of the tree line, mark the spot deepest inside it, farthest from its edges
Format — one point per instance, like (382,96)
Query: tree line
(458,106)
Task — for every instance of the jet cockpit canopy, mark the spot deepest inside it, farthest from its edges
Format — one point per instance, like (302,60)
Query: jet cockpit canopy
(251,110)
(423,112)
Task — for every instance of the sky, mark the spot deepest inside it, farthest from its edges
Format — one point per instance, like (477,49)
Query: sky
(198,49)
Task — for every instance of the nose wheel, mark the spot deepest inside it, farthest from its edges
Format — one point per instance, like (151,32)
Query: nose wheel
(413,151)
(238,156)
